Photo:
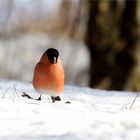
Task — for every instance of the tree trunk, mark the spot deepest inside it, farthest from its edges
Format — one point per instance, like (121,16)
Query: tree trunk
(111,39)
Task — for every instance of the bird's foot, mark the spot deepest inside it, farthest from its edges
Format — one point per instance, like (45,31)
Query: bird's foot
(57,98)
(39,99)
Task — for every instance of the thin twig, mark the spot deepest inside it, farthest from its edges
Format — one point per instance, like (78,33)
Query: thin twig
(134,100)
(125,106)
(26,95)
(1,91)
(5,92)
(15,91)
(29,97)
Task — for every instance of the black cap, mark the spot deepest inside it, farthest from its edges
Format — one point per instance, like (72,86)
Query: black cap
(53,55)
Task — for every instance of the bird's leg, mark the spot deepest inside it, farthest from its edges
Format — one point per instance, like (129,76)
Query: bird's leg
(57,98)
(53,99)
(39,99)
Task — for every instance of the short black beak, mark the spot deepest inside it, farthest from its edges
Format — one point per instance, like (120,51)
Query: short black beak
(54,60)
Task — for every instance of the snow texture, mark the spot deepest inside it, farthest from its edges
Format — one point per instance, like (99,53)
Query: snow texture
(92,115)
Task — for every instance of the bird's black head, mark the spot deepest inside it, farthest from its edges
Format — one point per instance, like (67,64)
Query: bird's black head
(53,55)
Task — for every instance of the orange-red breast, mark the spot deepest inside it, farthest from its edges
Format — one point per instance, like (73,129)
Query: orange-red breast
(49,74)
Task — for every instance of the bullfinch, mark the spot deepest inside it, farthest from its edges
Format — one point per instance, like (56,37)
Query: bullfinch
(48,75)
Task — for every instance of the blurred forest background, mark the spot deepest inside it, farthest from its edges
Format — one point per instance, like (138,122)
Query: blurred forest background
(99,40)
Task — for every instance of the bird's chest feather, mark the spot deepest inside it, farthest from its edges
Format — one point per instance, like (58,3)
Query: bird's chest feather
(52,73)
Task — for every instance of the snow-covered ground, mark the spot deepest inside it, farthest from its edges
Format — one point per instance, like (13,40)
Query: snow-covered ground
(92,115)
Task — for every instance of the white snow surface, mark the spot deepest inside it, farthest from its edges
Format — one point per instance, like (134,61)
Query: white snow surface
(92,115)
